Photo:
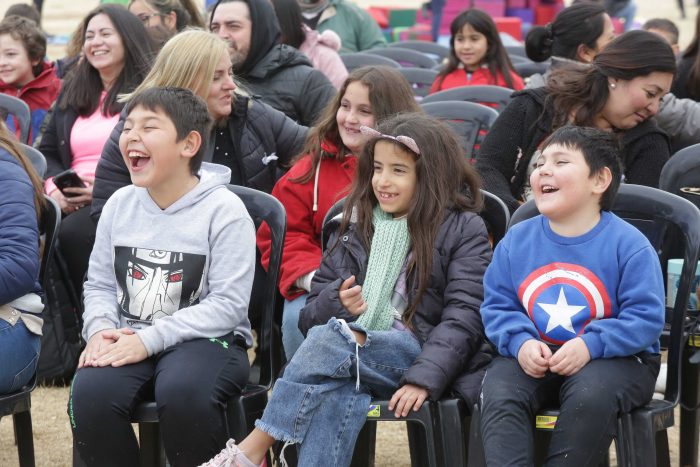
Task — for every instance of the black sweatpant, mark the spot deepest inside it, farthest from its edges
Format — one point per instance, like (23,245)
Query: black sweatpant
(191,382)
(589,402)
(75,241)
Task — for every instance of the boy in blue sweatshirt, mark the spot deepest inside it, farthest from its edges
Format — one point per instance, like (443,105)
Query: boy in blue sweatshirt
(166,301)
(574,303)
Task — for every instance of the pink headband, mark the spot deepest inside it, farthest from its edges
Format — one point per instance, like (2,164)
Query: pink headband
(407,141)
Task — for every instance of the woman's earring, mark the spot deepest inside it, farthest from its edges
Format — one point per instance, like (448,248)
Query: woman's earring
(613,85)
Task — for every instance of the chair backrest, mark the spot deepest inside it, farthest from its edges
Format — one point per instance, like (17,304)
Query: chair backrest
(681,174)
(264,297)
(516,51)
(359,59)
(527,69)
(436,51)
(496,97)
(494,212)
(657,214)
(49,227)
(404,57)
(420,79)
(496,216)
(514,59)
(36,158)
(470,121)
(20,110)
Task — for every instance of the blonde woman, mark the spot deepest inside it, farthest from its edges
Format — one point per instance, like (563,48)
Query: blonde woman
(251,138)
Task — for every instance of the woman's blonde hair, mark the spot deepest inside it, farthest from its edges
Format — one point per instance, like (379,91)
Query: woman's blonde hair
(188,60)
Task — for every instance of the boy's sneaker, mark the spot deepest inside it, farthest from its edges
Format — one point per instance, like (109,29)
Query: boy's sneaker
(230,456)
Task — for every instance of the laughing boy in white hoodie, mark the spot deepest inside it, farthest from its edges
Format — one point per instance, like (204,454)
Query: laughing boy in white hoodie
(167,294)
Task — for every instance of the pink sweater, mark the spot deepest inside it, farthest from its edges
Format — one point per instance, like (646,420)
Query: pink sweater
(322,50)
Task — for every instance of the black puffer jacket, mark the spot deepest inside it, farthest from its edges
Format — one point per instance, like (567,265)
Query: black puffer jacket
(522,126)
(447,320)
(257,130)
(285,79)
(54,141)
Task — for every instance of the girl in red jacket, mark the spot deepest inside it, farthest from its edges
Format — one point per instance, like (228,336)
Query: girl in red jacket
(477,55)
(322,175)
(23,71)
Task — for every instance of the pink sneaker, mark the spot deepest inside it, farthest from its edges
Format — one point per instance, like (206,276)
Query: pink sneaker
(230,456)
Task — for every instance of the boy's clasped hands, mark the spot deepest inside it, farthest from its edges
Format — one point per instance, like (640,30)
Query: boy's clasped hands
(408,395)
(113,347)
(535,357)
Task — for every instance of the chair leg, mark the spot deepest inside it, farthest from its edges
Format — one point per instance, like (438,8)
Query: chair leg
(452,440)
(663,457)
(690,419)
(363,456)
(25,439)
(416,441)
(150,445)
(475,455)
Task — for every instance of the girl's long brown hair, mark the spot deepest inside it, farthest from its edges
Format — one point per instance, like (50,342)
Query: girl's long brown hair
(389,94)
(584,92)
(444,180)
(8,143)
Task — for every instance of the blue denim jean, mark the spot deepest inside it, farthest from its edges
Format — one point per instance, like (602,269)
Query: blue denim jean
(291,335)
(316,403)
(19,354)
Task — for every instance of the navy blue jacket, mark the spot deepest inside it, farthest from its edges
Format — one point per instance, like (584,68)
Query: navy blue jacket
(19,232)
(447,321)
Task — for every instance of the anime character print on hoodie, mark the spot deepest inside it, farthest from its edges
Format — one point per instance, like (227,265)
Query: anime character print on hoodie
(180,279)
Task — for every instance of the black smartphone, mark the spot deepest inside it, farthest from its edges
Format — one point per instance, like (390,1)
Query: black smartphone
(68,178)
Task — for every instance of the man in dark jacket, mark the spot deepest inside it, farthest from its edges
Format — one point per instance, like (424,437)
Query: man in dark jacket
(278,74)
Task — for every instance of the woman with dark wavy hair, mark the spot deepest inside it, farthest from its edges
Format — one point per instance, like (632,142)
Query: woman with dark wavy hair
(619,92)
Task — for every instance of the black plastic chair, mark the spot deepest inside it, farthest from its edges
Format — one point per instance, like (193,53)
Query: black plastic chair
(681,176)
(438,432)
(641,437)
(527,69)
(359,59)
(496,97)
(20,110)
(470,121)
(516,51)
(432,49)
(420,80)
(404,57)
(243,410)
(19,404)
(36,158)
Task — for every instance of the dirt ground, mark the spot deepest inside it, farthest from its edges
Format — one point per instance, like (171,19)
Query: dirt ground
(52,439)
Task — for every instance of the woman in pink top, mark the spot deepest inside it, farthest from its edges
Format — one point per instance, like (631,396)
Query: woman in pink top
(321,48)
(117,55)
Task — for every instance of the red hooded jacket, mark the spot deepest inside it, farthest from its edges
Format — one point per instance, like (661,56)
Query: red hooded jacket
(482,76)
(39,94)
(302,244)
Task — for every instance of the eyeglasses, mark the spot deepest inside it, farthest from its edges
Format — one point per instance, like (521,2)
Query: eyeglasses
(145,19)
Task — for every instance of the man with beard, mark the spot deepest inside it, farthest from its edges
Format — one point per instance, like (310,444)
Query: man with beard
(278,74)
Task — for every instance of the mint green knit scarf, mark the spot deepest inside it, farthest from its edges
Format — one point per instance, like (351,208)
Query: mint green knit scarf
(387,255)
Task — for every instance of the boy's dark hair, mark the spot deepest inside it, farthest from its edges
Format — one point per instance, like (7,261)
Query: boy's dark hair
(185,109)
(25,10)
(30,35)
(600,149)
(665,25)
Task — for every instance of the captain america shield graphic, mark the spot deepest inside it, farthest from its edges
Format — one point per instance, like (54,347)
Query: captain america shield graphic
(561,299)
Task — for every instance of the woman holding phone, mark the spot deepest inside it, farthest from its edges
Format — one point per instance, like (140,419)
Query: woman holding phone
(117,55)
